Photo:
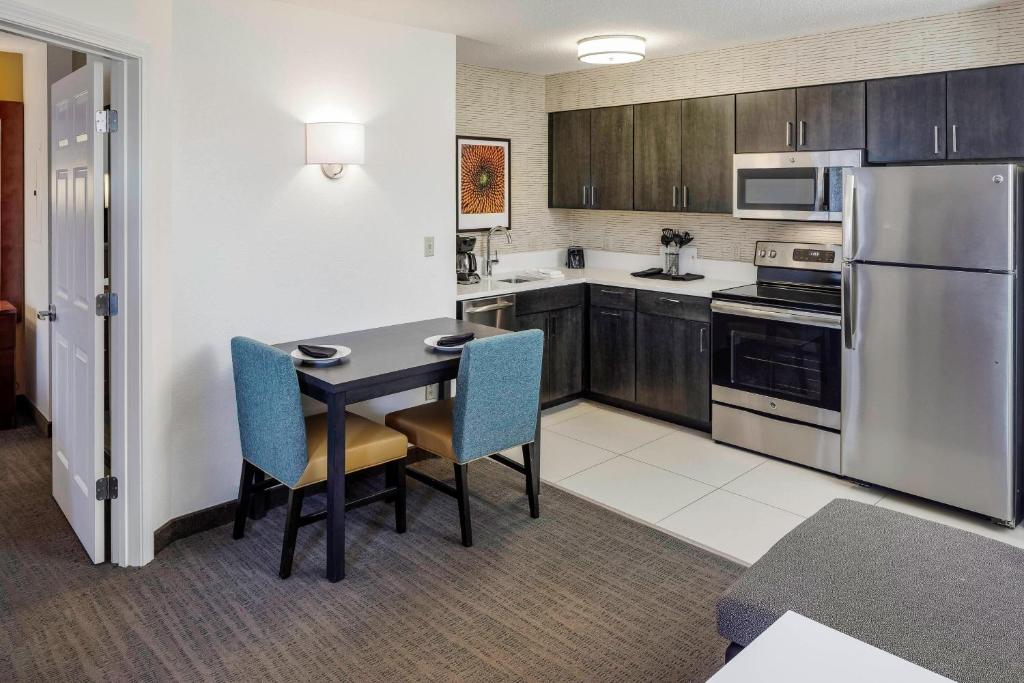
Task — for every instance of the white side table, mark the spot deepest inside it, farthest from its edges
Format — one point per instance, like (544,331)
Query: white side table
(796,649)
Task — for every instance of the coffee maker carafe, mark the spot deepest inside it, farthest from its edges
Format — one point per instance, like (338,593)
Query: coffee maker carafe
(465,261)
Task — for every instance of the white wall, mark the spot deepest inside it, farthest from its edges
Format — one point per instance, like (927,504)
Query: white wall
(267,247)
(237,232)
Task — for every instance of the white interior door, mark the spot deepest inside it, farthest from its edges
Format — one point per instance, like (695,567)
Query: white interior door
(76,272)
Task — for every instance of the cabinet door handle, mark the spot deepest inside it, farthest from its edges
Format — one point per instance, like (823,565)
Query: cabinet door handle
(789,133)
(584,195)
(686,196)
(611,291)
(675,196)
(614,315)
(702,340)
(670,301)
(593,196)
(954,138)
(802,134)
(935,136)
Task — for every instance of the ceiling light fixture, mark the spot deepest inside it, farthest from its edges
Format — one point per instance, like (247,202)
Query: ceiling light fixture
(611,49)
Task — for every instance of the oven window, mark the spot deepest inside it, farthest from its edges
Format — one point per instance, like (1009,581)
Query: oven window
(787,367)
(784,360)
(777,188)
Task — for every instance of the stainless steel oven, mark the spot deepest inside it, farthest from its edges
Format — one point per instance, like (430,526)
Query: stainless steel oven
(800,186)
(776,353)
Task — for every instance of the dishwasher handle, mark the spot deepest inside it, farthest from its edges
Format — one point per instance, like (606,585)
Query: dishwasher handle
(490,307)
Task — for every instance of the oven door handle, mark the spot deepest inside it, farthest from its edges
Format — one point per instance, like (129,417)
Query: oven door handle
(781,314)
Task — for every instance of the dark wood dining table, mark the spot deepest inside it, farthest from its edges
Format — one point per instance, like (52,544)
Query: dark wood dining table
(384,360)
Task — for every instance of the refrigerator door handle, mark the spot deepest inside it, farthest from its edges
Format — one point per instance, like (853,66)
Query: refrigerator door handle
(849,216)
(849,306)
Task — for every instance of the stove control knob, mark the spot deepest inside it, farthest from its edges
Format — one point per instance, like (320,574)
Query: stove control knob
(773,253)
(762,253)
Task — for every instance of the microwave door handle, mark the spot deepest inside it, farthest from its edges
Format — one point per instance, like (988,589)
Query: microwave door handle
(821,180)
(849,307)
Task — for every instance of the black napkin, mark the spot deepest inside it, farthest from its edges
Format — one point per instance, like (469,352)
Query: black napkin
(455,339)
(318,351)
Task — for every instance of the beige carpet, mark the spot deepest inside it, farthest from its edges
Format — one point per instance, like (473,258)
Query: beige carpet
(580,594)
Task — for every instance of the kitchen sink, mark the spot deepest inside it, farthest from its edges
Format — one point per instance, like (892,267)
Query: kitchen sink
(517,279)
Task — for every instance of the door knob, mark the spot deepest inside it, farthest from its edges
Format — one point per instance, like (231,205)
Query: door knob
(49,314)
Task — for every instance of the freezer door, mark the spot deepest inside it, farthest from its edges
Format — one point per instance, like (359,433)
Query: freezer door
(927,386)
(947,216)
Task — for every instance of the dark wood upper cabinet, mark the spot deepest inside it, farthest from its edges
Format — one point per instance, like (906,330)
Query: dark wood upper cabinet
(830,117)
(906,118)
(569,158)
(985,113)
(708,143)
(657,132)
(611,158)
(765,121)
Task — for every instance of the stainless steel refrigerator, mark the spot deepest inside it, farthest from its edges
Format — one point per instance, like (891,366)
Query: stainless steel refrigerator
(931,342)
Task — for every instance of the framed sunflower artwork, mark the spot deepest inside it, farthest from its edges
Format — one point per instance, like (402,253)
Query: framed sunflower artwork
(483,191)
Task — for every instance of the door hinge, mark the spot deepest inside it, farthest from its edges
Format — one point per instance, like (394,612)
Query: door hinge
(106,488)
(106,121)
(106,304)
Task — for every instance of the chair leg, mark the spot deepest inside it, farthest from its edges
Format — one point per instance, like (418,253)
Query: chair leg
(244,498)
(531,461)
(291,531)
(260,501)
(462,495)
(390,479)
(399,479)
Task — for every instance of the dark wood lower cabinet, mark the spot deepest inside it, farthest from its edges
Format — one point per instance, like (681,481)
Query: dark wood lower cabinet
(613,353)
(564,353)
(673,370)
(562,374)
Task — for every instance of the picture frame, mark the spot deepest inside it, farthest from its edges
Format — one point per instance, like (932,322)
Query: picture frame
(483,183)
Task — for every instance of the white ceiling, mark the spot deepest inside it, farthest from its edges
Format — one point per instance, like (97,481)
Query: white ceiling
(539,36)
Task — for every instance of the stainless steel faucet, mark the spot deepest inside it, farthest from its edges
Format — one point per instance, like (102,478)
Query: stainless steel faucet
(487,257)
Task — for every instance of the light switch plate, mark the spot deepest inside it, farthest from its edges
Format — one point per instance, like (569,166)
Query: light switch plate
(428,246)
(431,392)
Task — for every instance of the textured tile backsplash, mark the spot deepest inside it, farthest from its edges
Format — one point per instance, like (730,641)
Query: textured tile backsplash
(508,104)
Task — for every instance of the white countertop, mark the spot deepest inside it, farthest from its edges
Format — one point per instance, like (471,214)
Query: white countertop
(599,276)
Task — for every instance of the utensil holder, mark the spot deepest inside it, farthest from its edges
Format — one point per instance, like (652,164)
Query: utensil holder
(671,262)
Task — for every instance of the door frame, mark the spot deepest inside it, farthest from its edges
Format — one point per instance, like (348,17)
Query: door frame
(130,545)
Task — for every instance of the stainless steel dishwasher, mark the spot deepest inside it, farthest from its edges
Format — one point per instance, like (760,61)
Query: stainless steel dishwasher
(495,311)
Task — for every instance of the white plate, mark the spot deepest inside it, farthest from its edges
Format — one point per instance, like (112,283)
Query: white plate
(343,352)
(432,343)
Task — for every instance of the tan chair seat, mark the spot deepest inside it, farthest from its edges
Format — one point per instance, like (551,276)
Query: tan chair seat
(366,444)
(428,426)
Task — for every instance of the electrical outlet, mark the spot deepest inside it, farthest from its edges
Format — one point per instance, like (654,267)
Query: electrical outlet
(431,392)
(428,246)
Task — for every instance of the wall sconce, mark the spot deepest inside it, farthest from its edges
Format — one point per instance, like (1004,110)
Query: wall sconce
(333,145)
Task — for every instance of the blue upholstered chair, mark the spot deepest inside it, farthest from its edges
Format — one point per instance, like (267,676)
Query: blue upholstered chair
(280,446)
(495,407)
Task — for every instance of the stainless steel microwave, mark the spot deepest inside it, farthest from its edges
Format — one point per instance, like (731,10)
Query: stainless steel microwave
(791,186)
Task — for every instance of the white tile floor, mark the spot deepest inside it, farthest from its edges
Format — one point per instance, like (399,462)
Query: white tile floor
(732,502)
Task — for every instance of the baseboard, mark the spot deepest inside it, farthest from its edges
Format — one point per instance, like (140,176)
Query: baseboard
(26,407)
(224,513)
(213,517)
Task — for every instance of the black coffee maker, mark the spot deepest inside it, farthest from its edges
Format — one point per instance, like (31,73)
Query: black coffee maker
(465,260)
